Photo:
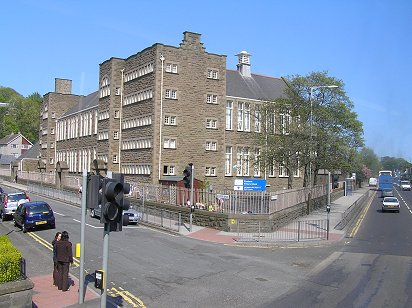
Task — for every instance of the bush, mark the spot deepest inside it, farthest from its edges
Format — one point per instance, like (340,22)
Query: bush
(10,260)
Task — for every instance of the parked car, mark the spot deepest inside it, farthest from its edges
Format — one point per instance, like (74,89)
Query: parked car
(9,203)
(390,204)
(133,215)
(405,185)
(30,215)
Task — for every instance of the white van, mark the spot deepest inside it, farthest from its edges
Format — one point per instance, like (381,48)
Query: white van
(373,182)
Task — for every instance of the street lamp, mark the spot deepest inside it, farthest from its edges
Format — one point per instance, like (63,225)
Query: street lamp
(311,124)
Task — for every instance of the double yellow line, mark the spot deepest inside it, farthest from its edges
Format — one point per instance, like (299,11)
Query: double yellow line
(42,241)
(362,216)
(113,291)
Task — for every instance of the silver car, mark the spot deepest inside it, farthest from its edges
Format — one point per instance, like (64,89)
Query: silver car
(132,213)
(390,204)
(9,203)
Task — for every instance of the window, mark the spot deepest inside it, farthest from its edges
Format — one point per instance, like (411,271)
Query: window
(169,143)
(210,171)
(256,164)
(258,119)
(52,145)
(229,115)
(271,123)
(53,115)
(212,74)
(211,99)
(117,114)
(171,68)
(211,146)
(211,123)
(138,72)
(242,163)
(115,135)
(51,161)
(228,161)
(285,121)
(170,120)
(243,118)
(114,160)
(168,170)
(105,87)
(172,94)
(283,172)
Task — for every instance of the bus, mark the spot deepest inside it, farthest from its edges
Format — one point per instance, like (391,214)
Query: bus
(385,180)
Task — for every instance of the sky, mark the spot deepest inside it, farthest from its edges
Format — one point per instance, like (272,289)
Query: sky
(367,44)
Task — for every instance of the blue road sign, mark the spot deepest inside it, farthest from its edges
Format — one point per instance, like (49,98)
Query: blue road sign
(250,185)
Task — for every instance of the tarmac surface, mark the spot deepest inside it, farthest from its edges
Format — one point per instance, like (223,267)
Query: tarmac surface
(47,295)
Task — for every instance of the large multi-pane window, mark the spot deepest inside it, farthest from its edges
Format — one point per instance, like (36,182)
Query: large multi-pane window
(258,119)
(256,163)
(228,160)
(243,163)
(243,116)
(283,172)
(105,87)
(285,120)
(229,115)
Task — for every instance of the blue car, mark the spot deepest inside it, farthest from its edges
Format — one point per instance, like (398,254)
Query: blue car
(31,215)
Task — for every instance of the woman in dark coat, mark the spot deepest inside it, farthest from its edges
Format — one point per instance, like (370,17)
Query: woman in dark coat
(64,256)
(57,237)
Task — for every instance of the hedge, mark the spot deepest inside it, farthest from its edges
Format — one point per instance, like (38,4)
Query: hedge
(10,260)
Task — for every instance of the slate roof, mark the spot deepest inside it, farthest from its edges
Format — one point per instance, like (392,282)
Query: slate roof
(6,159)
(32,153)
(257,87)
(85,102)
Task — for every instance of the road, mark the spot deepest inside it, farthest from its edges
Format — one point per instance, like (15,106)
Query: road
(148,268)
(372,269)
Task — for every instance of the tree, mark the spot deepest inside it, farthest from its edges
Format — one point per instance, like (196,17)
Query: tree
(371,161)
(21,114)
(322,131)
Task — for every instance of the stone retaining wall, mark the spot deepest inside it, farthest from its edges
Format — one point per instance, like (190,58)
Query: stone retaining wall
(16,294)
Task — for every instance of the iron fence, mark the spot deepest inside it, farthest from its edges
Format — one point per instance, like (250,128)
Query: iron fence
(264,231)
(160,217)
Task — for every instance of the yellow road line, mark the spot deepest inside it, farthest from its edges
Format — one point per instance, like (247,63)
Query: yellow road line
(361,218)
(49,246)
(126,295)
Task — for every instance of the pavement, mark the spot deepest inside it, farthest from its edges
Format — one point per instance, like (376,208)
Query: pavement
(47,295)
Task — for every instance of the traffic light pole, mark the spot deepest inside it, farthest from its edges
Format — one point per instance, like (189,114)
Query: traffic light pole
(105,259)
(191,196)
(82,231)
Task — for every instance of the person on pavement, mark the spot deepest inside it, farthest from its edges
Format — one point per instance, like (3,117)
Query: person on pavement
(64,256)
(57,237)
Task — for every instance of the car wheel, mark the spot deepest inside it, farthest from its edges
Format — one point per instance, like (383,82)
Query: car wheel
(2,217)
(53,226)
(24,228)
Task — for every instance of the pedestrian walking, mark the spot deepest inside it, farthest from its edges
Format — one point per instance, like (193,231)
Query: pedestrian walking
(57,237)
(80,191)
(64,256)
(15,178)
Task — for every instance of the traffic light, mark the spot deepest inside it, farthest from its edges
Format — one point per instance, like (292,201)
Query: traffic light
(113,202)
(94,195)
(187,179)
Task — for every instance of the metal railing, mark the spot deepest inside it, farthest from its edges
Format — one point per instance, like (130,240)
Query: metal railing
(352,211)
(221,201)
(60,194)
(262,231)
(160,217)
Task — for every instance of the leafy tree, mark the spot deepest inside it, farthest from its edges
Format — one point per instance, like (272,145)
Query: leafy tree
(21,114)
(371,161)
(320,121)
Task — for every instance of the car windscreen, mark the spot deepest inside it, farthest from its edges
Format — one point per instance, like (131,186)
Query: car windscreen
(17,197)
(39,208)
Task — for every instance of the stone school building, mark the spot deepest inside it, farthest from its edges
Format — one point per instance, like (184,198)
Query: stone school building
(159,110)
